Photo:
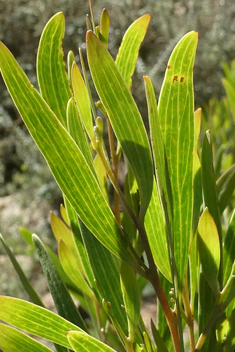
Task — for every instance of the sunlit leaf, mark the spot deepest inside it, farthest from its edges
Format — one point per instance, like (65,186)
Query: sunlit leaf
(83,102)
(128,52)
(125,118)
(67,164)
(209,249)
(176,113)
(35,320)
(52,78)
(81,342)
(12,340)
(69,265)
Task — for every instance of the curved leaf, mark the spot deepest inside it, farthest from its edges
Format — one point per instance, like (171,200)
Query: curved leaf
(52,78)
(128,52)
(124,116)
(176,113)
(65,159)
(35,320)
(12,340)
(81,342)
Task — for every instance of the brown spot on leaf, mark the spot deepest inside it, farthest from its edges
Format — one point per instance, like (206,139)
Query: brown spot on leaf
(175,79)
(168,67)
(181,79)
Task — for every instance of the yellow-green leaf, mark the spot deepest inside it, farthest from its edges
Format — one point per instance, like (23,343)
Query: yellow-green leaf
(209,249)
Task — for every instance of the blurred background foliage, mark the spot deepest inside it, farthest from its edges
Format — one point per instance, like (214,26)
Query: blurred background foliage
(27,190)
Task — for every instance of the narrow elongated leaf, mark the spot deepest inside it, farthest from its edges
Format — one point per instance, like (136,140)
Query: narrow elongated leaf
(158,339)
(12,340)
(67,164)
(64,215)
(102,176)
(230,91)
(209,187)
(176,113)
(124,116)
(35,320)
(225,186)
(52,78)
(76,130)
(128,52)
(83,102)
(81,342)
(69,265)
(197,191)
(63,301)
(25,282)
(155,214)
(104,27)
(156,232)
(229,248)
(230,338)
(61,231)
(209,249)
(208,181)
(106,275)
(131,298)
(85,267)
(197,126)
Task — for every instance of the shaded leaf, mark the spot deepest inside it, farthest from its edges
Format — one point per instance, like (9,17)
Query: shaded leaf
(229,248)
(12,340)
(25,282)
(225,186)
(106,276)
(230,92)
(209,249)
(52,77)
(125,117)
(35,320)
(209,186)
(131,298)
(61,297)
(158,339)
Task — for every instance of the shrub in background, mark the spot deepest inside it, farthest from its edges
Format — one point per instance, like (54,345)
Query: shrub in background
(169,229)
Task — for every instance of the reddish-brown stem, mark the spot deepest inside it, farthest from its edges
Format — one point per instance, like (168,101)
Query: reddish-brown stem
(189,315)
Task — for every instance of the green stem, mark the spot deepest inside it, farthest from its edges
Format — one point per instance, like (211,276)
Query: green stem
(214,316)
